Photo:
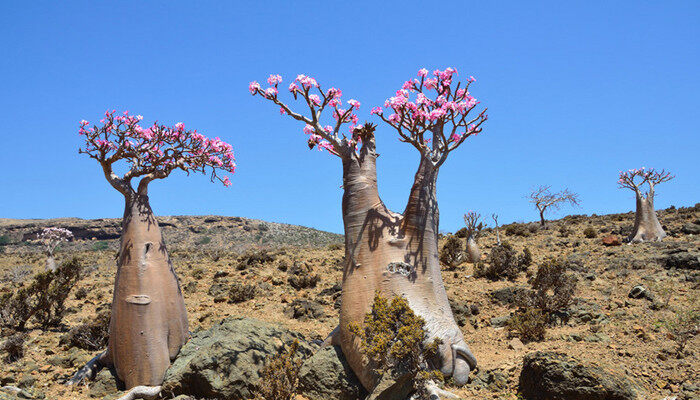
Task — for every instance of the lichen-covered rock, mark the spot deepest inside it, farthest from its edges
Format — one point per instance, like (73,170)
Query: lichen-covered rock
(224,361)
(556,376)
(326,375)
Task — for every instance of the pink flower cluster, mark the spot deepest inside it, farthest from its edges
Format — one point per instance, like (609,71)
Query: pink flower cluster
(52,237)
(628,178)
(157,148)
(317,101)
(446,105)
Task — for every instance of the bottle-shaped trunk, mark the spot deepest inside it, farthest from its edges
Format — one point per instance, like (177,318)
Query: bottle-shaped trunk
(149,320)
(472,249)
(50,263)
(395,254)
(646,225)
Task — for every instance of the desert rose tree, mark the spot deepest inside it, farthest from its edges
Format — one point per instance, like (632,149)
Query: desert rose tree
(546,200)
(388,252)
(471,220)
(646,225)
(50,238)
(149,322)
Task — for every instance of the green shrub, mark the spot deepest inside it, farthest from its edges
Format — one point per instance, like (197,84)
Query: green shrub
(279,377)
(590,232)
(684,325)
(99,246)
(394,340)
(451,254)
(503,263)
(4,240)
(530,325)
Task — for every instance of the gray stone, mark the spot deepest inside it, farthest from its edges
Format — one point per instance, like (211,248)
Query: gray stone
(507,295)
(224,361)
(691,229)
(682,259)
(556,376)
(327,375)
(499,322)
(105,384)
(392,388)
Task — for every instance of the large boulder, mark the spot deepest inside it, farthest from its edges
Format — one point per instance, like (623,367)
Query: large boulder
(327,375)
(556,376)
(682,258)
(224,361)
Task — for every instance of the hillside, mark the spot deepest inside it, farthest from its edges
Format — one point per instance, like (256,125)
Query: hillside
(604,326)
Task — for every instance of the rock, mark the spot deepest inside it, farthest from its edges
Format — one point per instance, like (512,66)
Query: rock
(494,380)
(224,361)
(327,375)
(611,240)
(556,376)
(597,337)
(219,291)
(516,344)
(105,384)
(304,310)
(640,292)
(392,388)
(508,295)
(691,229)
(499,322)
(682,259)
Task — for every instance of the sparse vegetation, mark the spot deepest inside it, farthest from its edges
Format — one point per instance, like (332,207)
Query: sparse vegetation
(13,347)
(301,275)
(91,335)
(254,258)
(503,263)
(240,292)
(451,254)
(44,298)
(280,375)
(590,232)
(529,324)
(684,326)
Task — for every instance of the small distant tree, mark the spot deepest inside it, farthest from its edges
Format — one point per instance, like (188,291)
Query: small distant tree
(148,323)
(50,238)
(474,226)
(498,235)
(546,200)
(646,225)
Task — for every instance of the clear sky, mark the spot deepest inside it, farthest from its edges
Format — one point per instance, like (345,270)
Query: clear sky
(576,91)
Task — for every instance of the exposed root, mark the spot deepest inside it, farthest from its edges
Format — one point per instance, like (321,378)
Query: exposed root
(333,338)
(90,370)
(142,392)
(433,392)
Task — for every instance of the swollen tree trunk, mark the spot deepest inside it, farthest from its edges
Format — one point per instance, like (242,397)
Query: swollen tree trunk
(473,252)
(51,263)
(646,225)
(149,320)
(395,254)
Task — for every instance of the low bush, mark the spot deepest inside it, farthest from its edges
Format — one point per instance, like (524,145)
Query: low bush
(44,298)
(451,254)
(279,377)
(91,335)
(517,230)
(394,340)
(240,292)
(13,347)
(552,288)
(590,232)
(530,325)
(683,327)
(254,258)
(301,276)
(503,263)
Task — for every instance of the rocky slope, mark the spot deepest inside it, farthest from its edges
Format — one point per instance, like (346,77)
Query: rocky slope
(289,277)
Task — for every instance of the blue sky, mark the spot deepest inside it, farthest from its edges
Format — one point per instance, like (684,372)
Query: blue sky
(576,91)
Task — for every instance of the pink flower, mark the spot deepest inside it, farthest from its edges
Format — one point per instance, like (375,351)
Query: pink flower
(83,122)
(333,92)
(253,87)
(376,110)
(455,137)
(471,78)
(273,80)
(282,112)
(423,72)
(315,100)
(271,92)
(227,181)
(354,103)
(293,87)
(308,129)
(395,118)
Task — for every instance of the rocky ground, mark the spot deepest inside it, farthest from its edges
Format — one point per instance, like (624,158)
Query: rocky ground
(288,278)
